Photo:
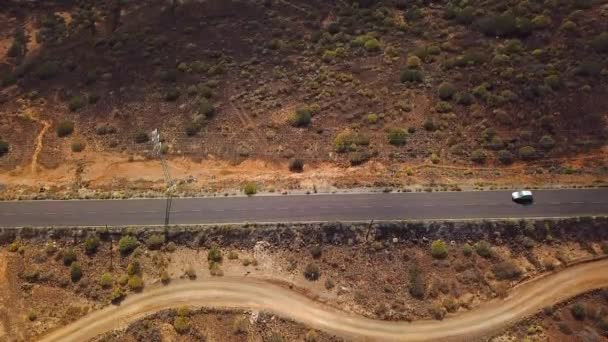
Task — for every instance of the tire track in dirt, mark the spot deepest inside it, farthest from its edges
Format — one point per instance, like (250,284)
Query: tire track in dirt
(247,293)
(39,145)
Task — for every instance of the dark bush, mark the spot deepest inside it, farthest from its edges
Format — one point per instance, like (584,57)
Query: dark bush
(397,136)
(65,128)
(135,283)
(76,103)
(446,90)
(417,283)
(578,311)
(527,153)
(502,25)
(301,117)
(312,272)
(4,147)
(589,68)
(506,270)
(91,244)
(478,156)
(430,125)
(78,146)
(411,75)
(172,95)
(127,244)
(600,42)
(181,325)
(359,158)
(547,142)
(464,98)
(69,257)
(206,108)
(47,70)
(505,157)
(168,76)
(141,137)
(296,165)
(75,272)
(192,128)
(104,129)
(316,251)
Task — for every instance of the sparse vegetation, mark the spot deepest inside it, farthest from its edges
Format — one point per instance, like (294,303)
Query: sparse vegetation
(296,165)
(75,272)
(106,280)
(91,244)
(483,249)
(506,270)
(439,249)
(127,244)
(397,136)
(65,128)
(312,272)
(250,189)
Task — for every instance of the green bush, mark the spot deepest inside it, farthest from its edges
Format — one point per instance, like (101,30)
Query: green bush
(553,82)
(240,325)
(502,25)
(141,137)
(91,244)
(541,21)
(155,241)
(483,249)
(589,68)
(547,142)
(417,282)
(75,272)
(181,325)
(206,108)
(296,165)
(76,102)
(47,70)
(78,146)
(316,251)
(69,257)
(106,280)
(134,268)
(467,250)
(117,295)
(127,244)
(215,254)
(413,62)
(250,189)
(478,156)
(600,42)
(65,128)
(443,107)
(397,136)
(347,141)
(168,75)
(430,125)
(135,283)
(504,156)
(372,118)
(578,312)
(359,158)
(4,147)
(312,272)
(439,249)
(372,45)
(411,75)
(446,90)
(527,153)
(506,270)
(301,117)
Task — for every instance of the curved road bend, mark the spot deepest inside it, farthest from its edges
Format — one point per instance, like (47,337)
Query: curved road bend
(247,293)
(301,208)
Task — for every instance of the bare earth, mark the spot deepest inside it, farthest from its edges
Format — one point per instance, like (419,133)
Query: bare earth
(243,292)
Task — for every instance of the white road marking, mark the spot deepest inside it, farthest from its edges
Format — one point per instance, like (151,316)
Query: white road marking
(219,210)
(578,202)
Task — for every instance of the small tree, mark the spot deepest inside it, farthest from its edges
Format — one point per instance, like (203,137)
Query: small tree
(312,272)
(411,75)
(75,272)
(527,153)
(134,268)
(439,249)
(547,142)
(505,157)
(417,286)
(484,249)
(578,311)
(467,250)
(117,295)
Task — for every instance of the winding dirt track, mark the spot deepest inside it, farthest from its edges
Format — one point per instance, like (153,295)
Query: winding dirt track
(242,292)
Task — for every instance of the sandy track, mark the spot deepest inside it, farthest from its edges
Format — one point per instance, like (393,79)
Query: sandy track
(242,292)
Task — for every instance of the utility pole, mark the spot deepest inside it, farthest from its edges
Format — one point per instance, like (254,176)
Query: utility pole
(157,149)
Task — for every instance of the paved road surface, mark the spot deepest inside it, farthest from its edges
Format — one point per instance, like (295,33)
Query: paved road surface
(343,207)
(248,293)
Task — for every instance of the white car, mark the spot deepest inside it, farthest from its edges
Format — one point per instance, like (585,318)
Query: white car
(522,197)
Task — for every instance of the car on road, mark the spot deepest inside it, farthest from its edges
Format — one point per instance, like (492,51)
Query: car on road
(522,197)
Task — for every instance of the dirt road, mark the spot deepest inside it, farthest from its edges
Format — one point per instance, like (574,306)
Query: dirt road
(242,292)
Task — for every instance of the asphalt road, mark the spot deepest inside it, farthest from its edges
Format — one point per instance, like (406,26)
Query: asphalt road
(305,208)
